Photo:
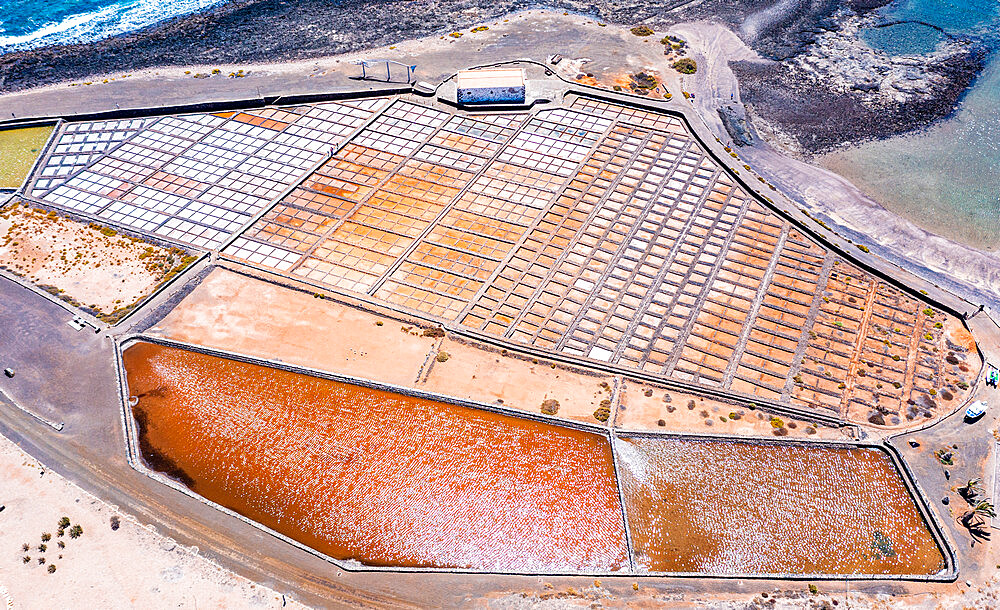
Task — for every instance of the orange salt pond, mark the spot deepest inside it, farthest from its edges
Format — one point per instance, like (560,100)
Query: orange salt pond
(726,507)
(378,477)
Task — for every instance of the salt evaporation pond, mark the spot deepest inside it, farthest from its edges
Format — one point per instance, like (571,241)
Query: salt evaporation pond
(392,480)
(374,476)
(730,507)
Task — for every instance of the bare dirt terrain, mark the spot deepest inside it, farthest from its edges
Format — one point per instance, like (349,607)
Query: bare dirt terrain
(648,407)
(89,266)
(132,566)
(237,313)
(241,314)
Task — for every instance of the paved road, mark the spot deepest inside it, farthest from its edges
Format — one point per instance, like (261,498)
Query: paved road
(70,376)
(57,387)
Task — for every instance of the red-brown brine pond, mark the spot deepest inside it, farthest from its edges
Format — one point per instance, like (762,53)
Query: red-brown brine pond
(378,477)
(730,507)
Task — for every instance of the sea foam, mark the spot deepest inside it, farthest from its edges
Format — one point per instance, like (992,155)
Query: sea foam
(103,21)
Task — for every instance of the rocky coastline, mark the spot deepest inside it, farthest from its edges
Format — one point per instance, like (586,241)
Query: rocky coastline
(818,87)
(839,91)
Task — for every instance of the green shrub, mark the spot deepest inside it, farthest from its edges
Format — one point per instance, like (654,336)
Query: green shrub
(685,65)
(642,30)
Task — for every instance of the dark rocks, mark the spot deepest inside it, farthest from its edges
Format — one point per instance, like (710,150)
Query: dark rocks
(821,119)
(736,126)
(867,5)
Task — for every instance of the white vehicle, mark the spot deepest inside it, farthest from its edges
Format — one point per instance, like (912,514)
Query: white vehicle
(976,410)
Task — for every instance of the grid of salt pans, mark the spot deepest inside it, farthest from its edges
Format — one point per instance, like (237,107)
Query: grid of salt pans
(81,143)
(429,189)
(382,221)
(196,179)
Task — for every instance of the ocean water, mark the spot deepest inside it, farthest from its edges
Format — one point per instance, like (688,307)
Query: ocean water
(26,24)
(945,179)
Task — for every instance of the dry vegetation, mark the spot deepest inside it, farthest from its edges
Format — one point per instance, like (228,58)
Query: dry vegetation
(89,266)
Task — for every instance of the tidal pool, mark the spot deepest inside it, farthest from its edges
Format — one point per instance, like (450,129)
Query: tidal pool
(731,507)
(374,476)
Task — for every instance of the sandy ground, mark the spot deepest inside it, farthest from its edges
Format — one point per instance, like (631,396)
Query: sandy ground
(644,406)
(133,567)
(488,376)
(100,270)
(225,312)
(829,596)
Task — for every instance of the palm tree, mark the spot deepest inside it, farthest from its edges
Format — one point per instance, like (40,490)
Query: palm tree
(970,490)
(974,517)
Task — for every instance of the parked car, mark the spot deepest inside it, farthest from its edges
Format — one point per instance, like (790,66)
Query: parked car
(975,410)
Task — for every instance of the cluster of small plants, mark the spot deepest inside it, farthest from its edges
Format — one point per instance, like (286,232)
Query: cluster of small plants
(65,528)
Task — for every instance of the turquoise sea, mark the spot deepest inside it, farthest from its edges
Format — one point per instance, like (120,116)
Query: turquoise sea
(26,24)
(945,179)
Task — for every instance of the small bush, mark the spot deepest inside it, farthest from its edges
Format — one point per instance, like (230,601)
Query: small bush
(929,312)
(602,414)
(863,248)
(76,531)
(813,589)
(550,406)
(777,423)
(46,537)
(51,568)
(443,357)
(685,65)
(434,331)
(642,30)
(115,524)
